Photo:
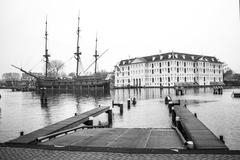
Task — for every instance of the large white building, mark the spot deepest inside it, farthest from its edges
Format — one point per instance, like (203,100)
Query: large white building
(169,69)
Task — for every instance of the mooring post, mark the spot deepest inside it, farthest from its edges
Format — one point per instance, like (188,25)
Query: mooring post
(221,139)
(170,105)
(173,116)
(121,109)
(109,112)
(134,101)
(112,103)
(195,115)
(21,133)
(129,103)
(177,121)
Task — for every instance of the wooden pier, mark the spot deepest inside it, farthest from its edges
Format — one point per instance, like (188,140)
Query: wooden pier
(121,139)
(194,130)
(60,126)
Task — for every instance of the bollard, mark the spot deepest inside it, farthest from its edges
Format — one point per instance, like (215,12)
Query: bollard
(21,133)
(173,117)
(195,115)
(177,121)
(121,109)
(221,139)
(109,112)
(190,144)
(128,103)
(134,101)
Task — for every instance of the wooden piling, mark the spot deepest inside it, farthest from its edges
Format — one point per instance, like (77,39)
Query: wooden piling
(134,101)
(21,133)
(109,112)
(129,103)
(121,109)
(173,117)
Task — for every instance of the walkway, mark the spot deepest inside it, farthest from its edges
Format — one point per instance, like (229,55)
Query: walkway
(11,153)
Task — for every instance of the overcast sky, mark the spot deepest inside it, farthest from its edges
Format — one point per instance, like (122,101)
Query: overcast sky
(128,28)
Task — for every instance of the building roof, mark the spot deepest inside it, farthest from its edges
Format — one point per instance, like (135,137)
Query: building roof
(170,56)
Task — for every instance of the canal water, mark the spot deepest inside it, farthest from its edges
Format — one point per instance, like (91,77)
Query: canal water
(22,111)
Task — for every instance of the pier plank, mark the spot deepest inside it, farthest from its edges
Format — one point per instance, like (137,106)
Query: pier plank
(163,138)
(133,138)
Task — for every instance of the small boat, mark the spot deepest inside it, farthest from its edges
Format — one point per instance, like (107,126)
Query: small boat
(236,94)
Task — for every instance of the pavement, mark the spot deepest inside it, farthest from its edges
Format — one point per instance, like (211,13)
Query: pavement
(16,153)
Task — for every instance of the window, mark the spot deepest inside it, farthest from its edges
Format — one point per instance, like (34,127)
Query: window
(184,64)
(177,70)
(152,71)
(160,70)
(177,63)
(160,64)
(168,63)
(153,80)
(168,70)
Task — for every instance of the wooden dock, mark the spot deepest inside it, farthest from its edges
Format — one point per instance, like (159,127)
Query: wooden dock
(197,132)
(121,139)
(60,126)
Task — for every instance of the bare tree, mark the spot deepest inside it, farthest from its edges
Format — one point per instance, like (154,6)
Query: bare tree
(55,68)
(11,76)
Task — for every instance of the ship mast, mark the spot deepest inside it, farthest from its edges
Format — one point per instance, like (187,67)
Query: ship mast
(46,56)
(78,53)
(96,57)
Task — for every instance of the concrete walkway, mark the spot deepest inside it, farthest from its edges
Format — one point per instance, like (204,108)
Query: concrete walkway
(12,153)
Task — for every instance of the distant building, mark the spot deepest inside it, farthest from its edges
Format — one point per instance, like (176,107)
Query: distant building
(29,78)
(169,69)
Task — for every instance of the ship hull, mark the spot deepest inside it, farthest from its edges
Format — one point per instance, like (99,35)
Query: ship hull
(79,83)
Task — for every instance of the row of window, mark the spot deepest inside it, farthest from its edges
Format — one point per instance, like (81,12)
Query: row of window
(178,63)
(170,79)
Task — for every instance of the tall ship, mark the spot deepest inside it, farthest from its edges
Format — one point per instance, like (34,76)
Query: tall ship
(95,81)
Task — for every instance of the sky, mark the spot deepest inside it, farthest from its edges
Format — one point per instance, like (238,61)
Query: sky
(127,28)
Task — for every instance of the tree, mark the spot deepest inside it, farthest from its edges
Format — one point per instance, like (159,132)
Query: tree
(228,74)
(11,76)
(55,68)
(72,74)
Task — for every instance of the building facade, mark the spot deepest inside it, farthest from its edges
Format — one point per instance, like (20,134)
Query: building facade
(168,70)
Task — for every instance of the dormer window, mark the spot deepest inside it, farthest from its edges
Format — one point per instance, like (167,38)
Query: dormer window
(124,62)
(192,57)
(213,59)
(176,55)
(161,57)
(169,56)
(153,58)
(183,56)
